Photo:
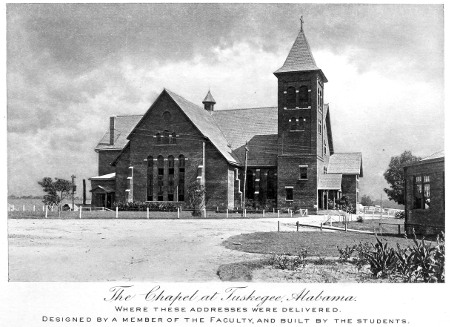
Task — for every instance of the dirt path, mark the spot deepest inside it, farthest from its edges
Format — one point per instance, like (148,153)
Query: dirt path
(132,250)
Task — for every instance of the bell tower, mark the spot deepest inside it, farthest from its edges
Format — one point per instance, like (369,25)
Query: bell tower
(300,109)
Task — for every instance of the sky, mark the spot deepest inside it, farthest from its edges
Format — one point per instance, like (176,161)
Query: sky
(72,66)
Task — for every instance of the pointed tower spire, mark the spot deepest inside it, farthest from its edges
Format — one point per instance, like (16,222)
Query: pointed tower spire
(209,102)
(300,58)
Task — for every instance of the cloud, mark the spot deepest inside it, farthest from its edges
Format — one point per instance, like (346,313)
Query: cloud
(70,67)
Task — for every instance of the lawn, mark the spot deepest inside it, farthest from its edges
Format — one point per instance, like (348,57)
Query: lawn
(388,225)
(320,244)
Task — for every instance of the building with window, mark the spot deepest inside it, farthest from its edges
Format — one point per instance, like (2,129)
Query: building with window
(288,149)
(425,195)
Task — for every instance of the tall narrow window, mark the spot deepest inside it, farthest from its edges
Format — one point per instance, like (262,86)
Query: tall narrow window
(174,138)
(303,172)
(271,184)
(293,124)
(320,127)
(160,178)
(324,147)
(250,184)
(171,186)
(301,123)
(303,96)
(158,138)
(166,137)
(181,177)
(289,193)
(291,97)
(149,178)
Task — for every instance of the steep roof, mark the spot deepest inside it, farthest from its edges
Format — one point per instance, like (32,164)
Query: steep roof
(106,177)
(123,126)
(205,123)
(261,134)
(330,182)
(345,163)
(436,155)
(300,57)
(209,98)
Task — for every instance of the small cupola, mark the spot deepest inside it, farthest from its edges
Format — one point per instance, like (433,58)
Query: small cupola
(209,102)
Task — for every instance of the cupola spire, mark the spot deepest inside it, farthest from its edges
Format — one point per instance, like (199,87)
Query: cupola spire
(209,102)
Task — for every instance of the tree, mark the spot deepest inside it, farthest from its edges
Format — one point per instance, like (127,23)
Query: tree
(56,190)
(196,197)
(394,176)
(366,201)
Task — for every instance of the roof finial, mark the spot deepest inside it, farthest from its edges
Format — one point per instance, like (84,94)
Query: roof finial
(301,23)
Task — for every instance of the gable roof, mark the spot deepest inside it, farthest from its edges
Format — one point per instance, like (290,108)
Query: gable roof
(122,127)
(330,182)
(300,58)
(345,163)
(201,119)
(261,134)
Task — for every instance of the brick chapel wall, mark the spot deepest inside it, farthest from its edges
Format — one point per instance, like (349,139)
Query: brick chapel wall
(105,158)
(122,171)
(423,220)
(219,188)
(304,191)
(189,143)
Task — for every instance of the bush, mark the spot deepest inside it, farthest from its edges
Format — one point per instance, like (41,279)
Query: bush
(360,219)
(288,262)
(152,206)
(400,215)
(346,253)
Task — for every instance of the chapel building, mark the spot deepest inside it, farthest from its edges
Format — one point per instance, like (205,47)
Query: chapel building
(288,149)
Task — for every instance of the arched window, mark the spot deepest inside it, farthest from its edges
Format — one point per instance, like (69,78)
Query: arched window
(181,177)
(171,186)
(291,97)
(301,123)
(166,137)
(160,163)
(149,178)
(293,124)
(173,138)
(158,138)
(303,96)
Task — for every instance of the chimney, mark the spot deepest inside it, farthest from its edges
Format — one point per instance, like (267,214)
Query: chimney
(112,126)
(209,102)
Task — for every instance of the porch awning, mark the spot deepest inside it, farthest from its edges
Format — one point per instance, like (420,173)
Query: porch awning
(103,189)
(107,177)
(330,182)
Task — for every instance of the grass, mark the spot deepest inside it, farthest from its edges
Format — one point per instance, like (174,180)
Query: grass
(374,224)
(320,244)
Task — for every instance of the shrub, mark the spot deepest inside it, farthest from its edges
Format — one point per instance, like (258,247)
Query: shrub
(142,206)
(346,253)
(382,259)
(288,262)
(360,219)
(400,215)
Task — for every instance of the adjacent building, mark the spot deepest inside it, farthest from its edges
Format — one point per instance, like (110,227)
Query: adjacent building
(425,195)
(288,149)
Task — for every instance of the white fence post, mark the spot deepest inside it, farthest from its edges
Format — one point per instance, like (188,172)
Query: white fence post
(263,213)
(34,208)
(227,213)
(291,213)
(81,209)
(278,213)
(46,211)
(117,212)
(178,212)
(204,211)
(148,213)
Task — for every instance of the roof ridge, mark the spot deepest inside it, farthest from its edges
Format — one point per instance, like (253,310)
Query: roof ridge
(128,115)
(246,108)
